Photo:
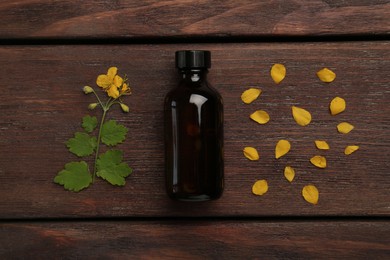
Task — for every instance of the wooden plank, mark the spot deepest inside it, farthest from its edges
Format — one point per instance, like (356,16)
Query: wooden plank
(42,105)
(197,239)
(153,18)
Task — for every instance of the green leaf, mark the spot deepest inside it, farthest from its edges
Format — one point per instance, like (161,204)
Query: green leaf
(89,123)
(82,144)
(74,177)
(111,168)
(113,133)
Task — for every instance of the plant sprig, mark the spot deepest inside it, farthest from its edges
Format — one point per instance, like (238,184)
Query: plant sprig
(76,176)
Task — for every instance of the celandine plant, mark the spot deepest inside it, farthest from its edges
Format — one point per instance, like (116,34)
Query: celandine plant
(109,165)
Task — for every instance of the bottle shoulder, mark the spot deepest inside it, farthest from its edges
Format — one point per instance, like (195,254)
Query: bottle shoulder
(185,91)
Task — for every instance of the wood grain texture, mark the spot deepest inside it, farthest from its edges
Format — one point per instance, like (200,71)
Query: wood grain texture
(153,18)
(42,105)
(196,240)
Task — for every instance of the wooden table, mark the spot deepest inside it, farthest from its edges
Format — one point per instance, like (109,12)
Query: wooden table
(51,49)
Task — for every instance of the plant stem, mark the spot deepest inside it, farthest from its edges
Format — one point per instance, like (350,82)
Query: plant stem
(105,109)
(100,102)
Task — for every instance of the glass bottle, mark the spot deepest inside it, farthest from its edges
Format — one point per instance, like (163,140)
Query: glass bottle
(193,114)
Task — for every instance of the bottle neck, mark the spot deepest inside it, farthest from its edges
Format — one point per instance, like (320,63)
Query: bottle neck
(194,75)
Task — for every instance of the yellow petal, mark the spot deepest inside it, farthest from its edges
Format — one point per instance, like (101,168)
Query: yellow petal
(301,116)
(318,161)
(260,116)
(344,127)
(282,147)
(326,75)
(125,89)
(278,72)
(310,194)
(350,149)
(118,81)
(112,71)
(103,81)
(250,95)
(113,91)
(322,145)
(289,173)
(260,187)
(337,105)
(251,153)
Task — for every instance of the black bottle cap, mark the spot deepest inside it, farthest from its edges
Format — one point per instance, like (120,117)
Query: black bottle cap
(193,59)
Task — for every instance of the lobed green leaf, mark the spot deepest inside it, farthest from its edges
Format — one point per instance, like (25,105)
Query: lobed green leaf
(82,144)
(113,133)
(111,168)
(74,177)
(89,123)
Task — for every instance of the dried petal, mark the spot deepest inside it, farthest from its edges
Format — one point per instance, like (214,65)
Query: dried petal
(250,95)
(344,127)
(310,194)
(282,147)
(318,161)
(260,116)
(322,145)
(326,75)
(260,187)
(278,72)
(301,116)
(289,173)
(337,105)
(251,153)
(351,149)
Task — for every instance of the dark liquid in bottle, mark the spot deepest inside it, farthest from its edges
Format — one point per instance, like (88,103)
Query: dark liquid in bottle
(194,140)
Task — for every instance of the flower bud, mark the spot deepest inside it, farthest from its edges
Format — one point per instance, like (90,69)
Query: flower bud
(125,108)
(87,89)
(92,106)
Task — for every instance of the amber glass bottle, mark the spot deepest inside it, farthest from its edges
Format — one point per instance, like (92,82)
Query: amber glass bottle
(193,132)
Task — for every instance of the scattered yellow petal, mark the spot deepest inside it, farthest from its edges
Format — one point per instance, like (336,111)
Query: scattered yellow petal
(350,149)
(282,147)
(260,187)
(337,105)
(260,116)
(250,95)
(344,127)
(322,145)
(289,173)
(310,194)
(251,153)
(301,116)
(278,72)
(326,75)
(318,161)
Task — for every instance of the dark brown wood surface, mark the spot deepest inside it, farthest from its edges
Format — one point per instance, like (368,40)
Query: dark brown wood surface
(134,19)
(197,240)
(42,105)
(51,49)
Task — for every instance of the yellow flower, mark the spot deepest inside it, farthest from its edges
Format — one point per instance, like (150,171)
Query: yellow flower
(111,82)
(105,81)
(125,89)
